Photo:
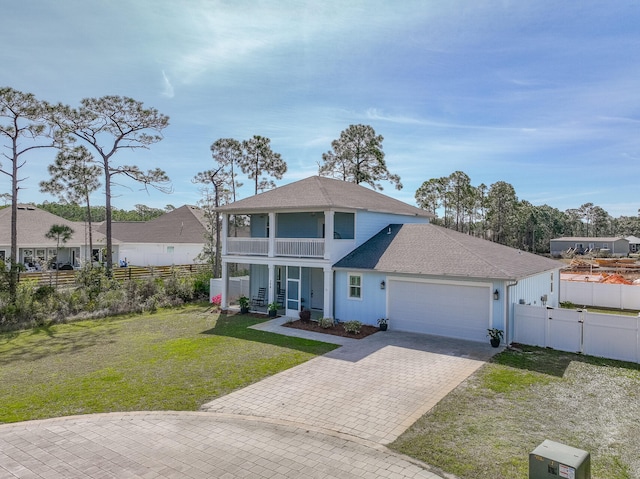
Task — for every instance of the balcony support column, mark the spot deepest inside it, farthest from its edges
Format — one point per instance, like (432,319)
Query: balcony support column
(272,235)
(224,234)
(224,303)
(271,293)
(328,292)
(328,233)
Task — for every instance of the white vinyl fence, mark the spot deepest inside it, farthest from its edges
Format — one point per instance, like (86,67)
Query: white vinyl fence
(238,286)
(579,331)
(619,296)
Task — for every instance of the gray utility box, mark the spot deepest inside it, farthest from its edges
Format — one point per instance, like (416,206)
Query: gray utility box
(552,460)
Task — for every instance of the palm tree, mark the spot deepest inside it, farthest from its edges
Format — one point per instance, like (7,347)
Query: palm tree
(61,233)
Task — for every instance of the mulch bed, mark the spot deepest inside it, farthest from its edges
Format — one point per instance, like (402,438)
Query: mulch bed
(338,330)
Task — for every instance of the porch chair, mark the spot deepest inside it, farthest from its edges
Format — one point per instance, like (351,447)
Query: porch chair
(280,300)
(260,298)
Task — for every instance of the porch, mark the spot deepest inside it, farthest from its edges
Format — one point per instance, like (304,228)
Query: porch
(292,287)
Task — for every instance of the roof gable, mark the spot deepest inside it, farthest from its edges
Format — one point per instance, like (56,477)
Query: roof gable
(432,250)
(181,225)
(319,192)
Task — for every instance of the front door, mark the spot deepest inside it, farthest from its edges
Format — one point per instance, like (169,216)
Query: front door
(317,288)
(293,291)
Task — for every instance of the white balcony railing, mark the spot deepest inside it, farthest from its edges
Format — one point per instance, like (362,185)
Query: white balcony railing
(248,246)
(295,247)
(300,247)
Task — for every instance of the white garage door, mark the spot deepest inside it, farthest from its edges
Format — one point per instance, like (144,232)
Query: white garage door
(457,310)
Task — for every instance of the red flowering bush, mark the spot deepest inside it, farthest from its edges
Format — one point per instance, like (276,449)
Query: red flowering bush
(216,300)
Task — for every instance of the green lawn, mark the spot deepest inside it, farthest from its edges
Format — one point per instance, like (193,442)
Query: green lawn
(174,359)
(487,427)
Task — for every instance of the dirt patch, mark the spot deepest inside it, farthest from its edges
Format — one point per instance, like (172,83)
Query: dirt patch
(336,330)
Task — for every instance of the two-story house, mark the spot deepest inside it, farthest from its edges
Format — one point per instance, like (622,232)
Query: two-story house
(348,252)
(299,231)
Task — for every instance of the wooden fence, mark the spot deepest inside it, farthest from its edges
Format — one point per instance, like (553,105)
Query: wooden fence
(68,278)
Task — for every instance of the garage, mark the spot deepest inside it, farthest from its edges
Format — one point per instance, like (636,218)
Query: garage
(454,309)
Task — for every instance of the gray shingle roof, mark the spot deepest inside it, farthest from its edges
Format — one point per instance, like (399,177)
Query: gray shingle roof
(34,223)
(432,250)
(182,225)
(319,192)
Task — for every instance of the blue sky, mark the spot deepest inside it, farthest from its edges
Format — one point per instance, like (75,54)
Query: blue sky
(541,94)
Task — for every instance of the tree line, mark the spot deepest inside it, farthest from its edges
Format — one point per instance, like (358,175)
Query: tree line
(495,213)
(88,137)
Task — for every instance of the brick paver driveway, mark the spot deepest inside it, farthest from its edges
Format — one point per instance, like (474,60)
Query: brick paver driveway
(372,388)
(327,418)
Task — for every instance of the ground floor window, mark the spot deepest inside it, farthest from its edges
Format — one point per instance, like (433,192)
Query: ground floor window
(355,286)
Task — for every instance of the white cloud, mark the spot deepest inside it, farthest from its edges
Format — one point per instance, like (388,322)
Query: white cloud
(167,90)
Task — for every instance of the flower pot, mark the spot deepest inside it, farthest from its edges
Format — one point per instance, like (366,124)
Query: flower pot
(273,313)
(305,315)
(495,342)
(244,310)
(383,327)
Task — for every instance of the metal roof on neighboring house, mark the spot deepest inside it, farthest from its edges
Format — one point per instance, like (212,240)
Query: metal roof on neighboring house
(181,225)
(427,249)
(319,192)
(585,239)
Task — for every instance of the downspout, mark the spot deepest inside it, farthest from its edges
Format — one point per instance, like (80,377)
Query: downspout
(507,331)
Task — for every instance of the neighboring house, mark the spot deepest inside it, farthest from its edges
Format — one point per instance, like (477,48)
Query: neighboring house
(35,251)
(348,252)
(176,237)
(613,246)
(634,244)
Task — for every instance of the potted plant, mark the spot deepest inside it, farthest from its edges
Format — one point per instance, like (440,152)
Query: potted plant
(495,335)
(305,315)
(272,309)
(382,324)
(243,301)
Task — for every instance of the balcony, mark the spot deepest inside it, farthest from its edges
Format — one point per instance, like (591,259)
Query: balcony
(290,247)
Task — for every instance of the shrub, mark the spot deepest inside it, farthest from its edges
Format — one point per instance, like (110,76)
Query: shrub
(201,284)
(325,322)
(352,327)
(305,315)
(179,286)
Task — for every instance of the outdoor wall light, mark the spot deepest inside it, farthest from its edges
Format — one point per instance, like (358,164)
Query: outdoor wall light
(496,295)
(382,284)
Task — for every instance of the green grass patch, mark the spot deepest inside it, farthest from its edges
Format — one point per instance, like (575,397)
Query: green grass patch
(489,424)
(176,359)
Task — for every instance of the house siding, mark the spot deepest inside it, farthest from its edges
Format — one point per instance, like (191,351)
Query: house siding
(258,226)
(299,225)
(259,278)
(344,225)
(367,309)
(156,254)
